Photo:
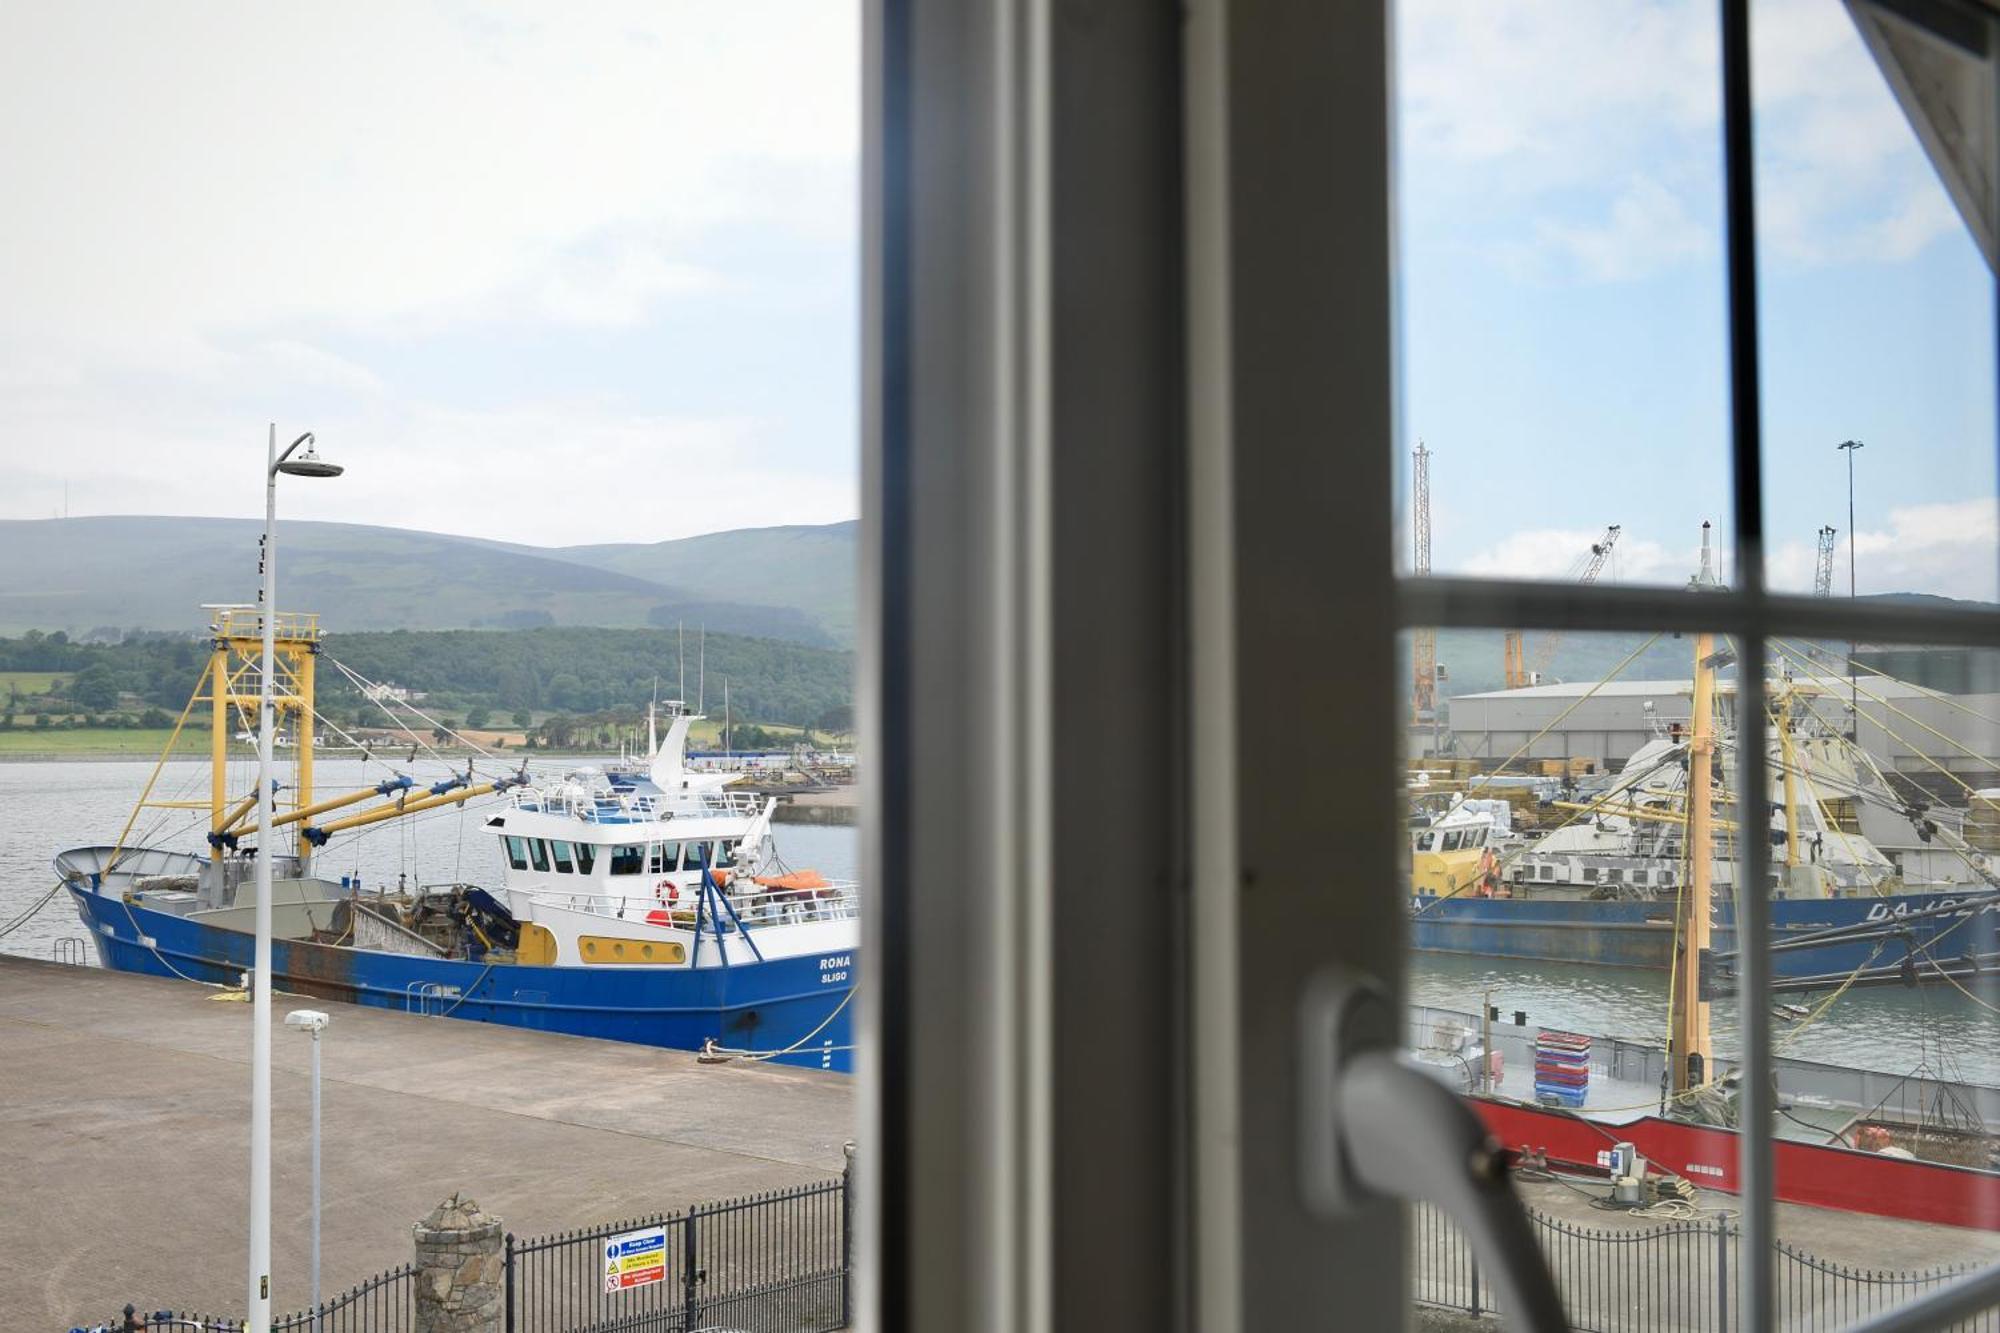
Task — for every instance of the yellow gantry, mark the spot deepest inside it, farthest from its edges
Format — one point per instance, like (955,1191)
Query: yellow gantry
(233,682)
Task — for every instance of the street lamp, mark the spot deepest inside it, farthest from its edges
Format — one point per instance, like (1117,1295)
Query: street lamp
(1848,447)
(314,1022)
(307,464)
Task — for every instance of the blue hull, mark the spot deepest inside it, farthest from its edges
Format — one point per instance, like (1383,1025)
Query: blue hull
(1816,942)
(799,1006)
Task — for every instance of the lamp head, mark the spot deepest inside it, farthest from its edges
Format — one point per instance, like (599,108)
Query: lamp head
(309,463)
(307,1020)
(1850,445)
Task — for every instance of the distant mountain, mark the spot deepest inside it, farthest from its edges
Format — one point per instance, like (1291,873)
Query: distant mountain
(793,567)
(1473,659)
(87,575)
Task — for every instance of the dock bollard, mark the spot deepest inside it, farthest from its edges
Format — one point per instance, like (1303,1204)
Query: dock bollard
(460,1270)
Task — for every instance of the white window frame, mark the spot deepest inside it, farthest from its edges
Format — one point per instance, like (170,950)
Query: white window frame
(1129,423)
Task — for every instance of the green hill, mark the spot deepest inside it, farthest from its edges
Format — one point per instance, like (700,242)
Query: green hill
(100,576)
(789,567)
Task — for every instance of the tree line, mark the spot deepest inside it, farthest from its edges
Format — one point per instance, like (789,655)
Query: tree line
(499,673)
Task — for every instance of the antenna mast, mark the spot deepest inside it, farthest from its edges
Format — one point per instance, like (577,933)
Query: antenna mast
(1423,658)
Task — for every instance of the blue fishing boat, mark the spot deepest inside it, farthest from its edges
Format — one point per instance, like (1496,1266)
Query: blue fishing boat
(1643,873)
(644,903)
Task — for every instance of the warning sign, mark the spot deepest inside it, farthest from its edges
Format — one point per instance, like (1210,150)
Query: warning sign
(635,1259)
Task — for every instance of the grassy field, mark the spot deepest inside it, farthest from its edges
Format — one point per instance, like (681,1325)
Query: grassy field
(92,742)
(28,682)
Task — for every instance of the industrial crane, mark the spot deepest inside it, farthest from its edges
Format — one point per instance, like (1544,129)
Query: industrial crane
(1823,570)
(1518,671)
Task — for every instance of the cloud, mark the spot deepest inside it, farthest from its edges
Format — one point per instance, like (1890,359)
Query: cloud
(476,247)
(378,163)
(1951,549)
(1648,228)
(1560,553)
(1583,133)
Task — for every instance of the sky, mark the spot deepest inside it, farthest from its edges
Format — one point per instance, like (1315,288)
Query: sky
(595,278)
(1562,298)
(553,274)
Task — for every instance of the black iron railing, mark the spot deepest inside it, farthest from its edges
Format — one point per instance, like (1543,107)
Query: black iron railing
(769,1263)
(778,1262)
(385,1303)
(1672,1277)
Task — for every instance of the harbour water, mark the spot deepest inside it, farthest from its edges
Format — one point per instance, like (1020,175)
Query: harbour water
(52,805)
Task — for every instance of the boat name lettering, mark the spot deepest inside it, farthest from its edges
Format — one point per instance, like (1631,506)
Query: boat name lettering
(1883,911)
(838,960)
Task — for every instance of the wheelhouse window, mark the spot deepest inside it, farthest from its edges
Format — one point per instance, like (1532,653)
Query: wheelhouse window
(562,858)
(665,857)
(586,857)
(517,853)
(539,852)
(628,859)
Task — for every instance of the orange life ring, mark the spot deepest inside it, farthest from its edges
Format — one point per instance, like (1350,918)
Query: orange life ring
(667,891)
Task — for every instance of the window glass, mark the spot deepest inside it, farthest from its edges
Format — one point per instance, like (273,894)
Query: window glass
(1883,823)
(586,856)
(695,857)
(628,859)
(1877,316)
(1538,983)
(1561,289)
(517,854)
(539,851)
(562,857)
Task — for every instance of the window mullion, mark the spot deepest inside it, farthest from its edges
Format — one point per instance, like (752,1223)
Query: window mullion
(1756,1305)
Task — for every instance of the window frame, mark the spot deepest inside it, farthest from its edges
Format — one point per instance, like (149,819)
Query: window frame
(999,144)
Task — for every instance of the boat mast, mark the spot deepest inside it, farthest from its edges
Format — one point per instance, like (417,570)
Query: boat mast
(1689,1052)
(1689,1037)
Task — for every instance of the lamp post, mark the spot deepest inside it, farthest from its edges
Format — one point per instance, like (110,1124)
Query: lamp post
(307,464)
(1849,447)
(314,1022)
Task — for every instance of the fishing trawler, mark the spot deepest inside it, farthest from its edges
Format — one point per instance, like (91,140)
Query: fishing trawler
(1609,885)
(645,904)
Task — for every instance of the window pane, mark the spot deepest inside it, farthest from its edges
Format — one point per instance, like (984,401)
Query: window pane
(1555,948)
(1548,878)
(1561,286)
(1877,318)
(1887,1041)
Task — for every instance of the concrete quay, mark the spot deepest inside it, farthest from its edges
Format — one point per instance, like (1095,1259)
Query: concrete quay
(124,1125)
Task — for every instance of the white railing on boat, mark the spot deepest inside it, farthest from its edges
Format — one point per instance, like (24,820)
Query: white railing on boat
(839,900)
(597,806)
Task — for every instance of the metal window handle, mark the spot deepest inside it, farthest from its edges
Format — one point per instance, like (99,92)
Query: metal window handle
(1373,1128)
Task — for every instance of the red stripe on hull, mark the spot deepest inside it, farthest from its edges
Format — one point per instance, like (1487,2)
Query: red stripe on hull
(1824,1176)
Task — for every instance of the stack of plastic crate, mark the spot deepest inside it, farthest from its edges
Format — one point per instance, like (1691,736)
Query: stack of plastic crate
(1562,1068)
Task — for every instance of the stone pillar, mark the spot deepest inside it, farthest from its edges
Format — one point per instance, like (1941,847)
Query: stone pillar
(459,1270)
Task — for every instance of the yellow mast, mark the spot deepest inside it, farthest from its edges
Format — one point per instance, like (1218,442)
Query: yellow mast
(1691,1053)
(1790,759)
(218,747)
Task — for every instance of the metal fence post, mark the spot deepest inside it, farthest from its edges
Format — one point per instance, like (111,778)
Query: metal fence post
(507,1276)
(847,1237)
(691,1299)
(1472,1262)
(1722,1275)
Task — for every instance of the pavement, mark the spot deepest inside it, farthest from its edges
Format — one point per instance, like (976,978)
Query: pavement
(124,1113)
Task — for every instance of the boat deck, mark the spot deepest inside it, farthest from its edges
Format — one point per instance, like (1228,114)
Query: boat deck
(124,1105)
